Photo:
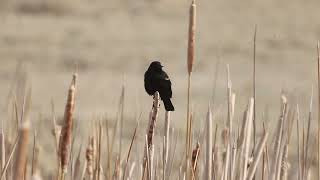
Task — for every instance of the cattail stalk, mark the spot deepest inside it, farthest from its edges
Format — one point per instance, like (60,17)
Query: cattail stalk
(166,143)
(66,132)
(150,132)
(190,62)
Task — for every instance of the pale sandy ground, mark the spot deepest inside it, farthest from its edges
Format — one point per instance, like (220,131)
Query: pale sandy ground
(115,40)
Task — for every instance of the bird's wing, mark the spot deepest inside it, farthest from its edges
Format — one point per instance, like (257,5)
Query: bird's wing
(164,85)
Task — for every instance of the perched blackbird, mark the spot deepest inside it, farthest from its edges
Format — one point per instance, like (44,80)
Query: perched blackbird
(155,79)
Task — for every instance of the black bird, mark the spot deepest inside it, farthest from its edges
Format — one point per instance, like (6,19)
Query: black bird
(155,79)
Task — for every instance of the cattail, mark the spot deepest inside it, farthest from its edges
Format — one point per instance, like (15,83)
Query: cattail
(191,36)
(66,132)
(22,151)
(153,118)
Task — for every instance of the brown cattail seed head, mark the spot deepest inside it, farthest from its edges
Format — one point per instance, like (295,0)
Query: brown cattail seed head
(66,132)
(191,36)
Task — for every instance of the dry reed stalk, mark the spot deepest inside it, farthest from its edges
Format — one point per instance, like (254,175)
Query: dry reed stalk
(214,149)
(2,147)
(240,144)
(66,132)
(174,145)
(279,137)
(109,155)
(129,151)
(77,164)
(133,165)
(284,163)
(254,86)
(4,170)
(247,138)
(208,166)
(298,144)
(56,131)
(318,72)
(308,132)
(35,156)
(22,151)
(231,102)
(89,158)
(190,62)
(121,119)
(257,156)
(303,151)
(166,143)
(98,158)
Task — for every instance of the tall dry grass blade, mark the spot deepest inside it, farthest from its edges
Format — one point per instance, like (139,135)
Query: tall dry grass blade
(121,119)
(56,129)
(98,161)
(254,85)
(2,146)
(318,72)
(298,143)
(109,153)
(208,166)
(257,156)
(247,138)
(22,151)
(66,132)
(129,151)
(308,134)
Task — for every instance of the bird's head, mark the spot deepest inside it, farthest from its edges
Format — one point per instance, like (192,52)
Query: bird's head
(155,65)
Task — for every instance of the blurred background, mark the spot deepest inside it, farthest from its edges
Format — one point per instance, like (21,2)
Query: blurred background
(112,42)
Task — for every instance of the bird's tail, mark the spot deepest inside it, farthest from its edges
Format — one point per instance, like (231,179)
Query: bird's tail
(168,104)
